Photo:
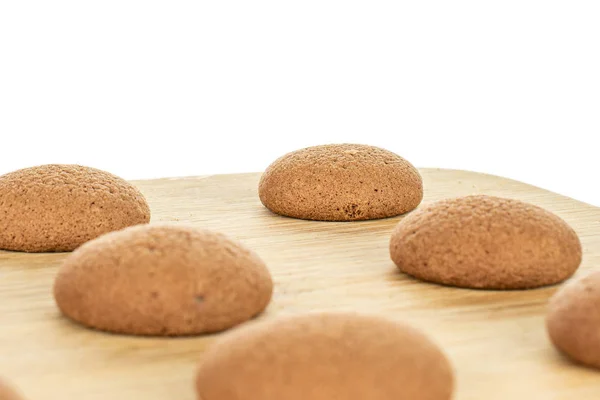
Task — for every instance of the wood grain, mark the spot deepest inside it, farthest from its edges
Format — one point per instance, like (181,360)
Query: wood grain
(496,340)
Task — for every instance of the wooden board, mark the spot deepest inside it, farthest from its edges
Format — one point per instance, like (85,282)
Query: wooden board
(496,340)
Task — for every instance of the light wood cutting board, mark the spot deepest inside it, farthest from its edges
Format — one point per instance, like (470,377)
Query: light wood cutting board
(496,340)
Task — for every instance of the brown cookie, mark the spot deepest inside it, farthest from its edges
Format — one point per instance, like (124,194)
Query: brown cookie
(573,319)
(58,207)
(323,357)
(485,242)
(162,280)
(341,182)
(7,392)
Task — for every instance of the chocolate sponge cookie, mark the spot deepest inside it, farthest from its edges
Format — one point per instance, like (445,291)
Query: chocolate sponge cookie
(58,207)
(341,182)
(162,280)
(323,357)
(485,242)
(573,319)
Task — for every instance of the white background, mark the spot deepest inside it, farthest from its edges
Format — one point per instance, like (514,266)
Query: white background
(170,88)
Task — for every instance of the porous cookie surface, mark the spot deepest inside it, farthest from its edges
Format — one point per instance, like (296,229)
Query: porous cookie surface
(485,242)
(573,319)
(162,280)
(323,357)
(342,182)
(58,207)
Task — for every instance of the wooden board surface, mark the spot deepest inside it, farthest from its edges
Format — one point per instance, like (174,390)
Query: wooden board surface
(496,340)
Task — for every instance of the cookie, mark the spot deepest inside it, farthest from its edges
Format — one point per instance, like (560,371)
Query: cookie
(341,182)
(7,392)
(54,208)
(573,319)
(485,242)
(162,280)
(322,357)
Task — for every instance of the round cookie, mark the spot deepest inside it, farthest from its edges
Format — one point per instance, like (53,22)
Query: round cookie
(55,207)
(322,357)
(573,319)
(341,182)
(485,242)
(8,393)
(162,280)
